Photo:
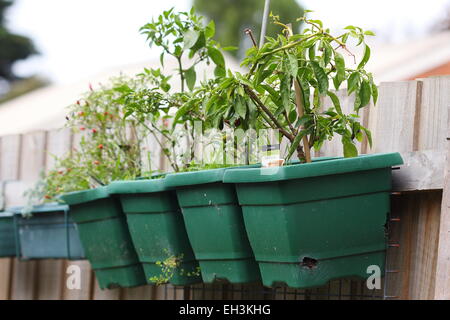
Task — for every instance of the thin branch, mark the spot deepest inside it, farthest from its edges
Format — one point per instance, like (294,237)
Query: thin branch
(249,32)
(267,111)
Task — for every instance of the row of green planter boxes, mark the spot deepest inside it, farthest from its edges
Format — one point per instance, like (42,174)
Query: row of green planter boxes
(48,233)
(300,225)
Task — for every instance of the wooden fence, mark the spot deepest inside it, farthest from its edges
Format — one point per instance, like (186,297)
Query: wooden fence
(411,117)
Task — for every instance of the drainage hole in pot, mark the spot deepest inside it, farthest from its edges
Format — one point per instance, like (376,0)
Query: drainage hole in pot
(309,263)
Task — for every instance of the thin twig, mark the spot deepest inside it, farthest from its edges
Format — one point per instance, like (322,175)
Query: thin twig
(249,32)
(267,111)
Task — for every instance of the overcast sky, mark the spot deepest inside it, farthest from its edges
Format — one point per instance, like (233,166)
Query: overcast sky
(79,38)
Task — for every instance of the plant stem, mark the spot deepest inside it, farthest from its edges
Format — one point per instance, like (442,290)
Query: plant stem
(180,70)
(300,110)
(267,111)
(172,162)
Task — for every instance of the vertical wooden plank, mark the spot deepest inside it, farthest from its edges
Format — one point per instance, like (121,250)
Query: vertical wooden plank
(32,162)
(9,170)
(434,113)
(392,120)
(10,157)
(5,274)
(417,233)
(138,293)
(52,272)
(107,294)
(442,286)
(59,143)
(426,246)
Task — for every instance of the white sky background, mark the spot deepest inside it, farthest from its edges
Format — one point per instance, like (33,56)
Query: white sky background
(79,38)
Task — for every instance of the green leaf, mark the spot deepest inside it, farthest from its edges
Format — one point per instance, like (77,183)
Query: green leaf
(219,72)
(190,77)
(181,112)
(216,57)
(241,107)
(337,105)
(374,93)
(364,93)
(352,82)
(161,59)
(285,91)
(312,53)
(210,29)
(357,103)
(295,143)
(368,135)
(190,38)
(349,148)
(328,50)
(365,58)
(292,64)
(321,77)
(340,68)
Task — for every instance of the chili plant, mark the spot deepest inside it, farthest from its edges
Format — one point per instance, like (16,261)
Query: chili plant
(284,89)
(179,35)
(109,147)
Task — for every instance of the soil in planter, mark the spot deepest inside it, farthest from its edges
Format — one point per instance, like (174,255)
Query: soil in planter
(157,229)
(315,222)
(7,235)
(105,237)
(215,226)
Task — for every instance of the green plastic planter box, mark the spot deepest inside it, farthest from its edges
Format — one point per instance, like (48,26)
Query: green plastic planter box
(215,226)
(104,234)
(311,223)
(7,235)
(157,228)
(48,234)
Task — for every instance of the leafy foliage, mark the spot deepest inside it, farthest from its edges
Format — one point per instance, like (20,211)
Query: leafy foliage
(184,32)
(177,35)
(265,98)
(289,87)
(109,147)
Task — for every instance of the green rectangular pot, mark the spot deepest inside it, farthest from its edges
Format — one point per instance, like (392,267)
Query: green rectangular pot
(7,235)
(311,223)
(215,227)
(105,237)
(157,229)
(48,234)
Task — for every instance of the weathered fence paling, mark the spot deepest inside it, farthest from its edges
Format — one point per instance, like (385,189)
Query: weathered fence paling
(411,117)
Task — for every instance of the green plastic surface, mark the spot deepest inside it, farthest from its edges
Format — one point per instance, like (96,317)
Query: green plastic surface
(48,234)
(105,237)
(215,226)
(7,235)
(311,223)
(156,226)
